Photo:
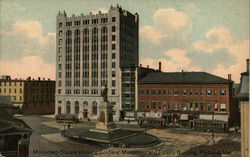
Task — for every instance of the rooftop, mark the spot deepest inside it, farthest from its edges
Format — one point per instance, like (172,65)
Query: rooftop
(183,78)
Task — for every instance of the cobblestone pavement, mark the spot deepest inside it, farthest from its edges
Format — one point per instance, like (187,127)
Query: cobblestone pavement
(174,141)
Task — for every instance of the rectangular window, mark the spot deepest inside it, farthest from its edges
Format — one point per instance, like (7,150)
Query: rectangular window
(223,92)
(196,92)
(113,55)
(142,105)
(113,37)
(201,91)
(176,92)
(208,107)
(159,105)
(142,91)
(209,92)
(169,91)
(15,90)
(60,74)
(147,104)
(59,83)
(191,92)
(9,90)
(113,19)
(113,83)
(215,107)
(169,106)
(154,105)
(113,91)
(21,90)
(59,91)
(164,91)
(196,106)
(215,92)
(223,107)
(113,73)
(184,92)
(175,106)
(202,106)
(184,106)
(113,28)
(0,90)
(113,64)
(191,107)
(60,66)
(159,91)
(164,106)
(147,91)
(152,91)
(60,24)
(113,46)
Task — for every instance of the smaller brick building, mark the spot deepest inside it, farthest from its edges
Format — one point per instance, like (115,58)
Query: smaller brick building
(185,96)
(30,95)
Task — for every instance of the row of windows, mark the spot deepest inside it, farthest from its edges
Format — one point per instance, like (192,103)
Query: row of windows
(86,22)
(4,90)
(183,106)
(184,92)
(85,91)
(37,83)
(86,32)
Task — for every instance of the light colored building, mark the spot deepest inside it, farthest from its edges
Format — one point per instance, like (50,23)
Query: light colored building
(30,95)
(245,113)
(91,52)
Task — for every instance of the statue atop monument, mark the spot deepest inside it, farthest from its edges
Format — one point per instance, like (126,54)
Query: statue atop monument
(105,94)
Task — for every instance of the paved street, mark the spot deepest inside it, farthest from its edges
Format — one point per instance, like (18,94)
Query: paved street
(46,140)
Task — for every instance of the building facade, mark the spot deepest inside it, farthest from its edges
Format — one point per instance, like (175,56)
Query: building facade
(30,95)
(14,133)
(91,51)
(184,96)
(245,112)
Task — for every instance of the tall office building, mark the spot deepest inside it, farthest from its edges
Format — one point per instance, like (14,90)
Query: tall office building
(91,52)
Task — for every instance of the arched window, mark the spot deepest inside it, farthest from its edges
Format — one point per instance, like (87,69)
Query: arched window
(94,108)
(85,104)
(76,107)
(68,107)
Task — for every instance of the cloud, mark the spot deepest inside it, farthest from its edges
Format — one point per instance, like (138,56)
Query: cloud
(241,53)
(29,38)
(229,54)
(33,66)
(175,60)
(103,10)
(216,38)
(168,24)
(27,49)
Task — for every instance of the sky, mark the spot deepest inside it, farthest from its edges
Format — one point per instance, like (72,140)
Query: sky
(193,35)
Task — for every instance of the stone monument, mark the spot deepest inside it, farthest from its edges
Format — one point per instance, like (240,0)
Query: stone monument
(105,123)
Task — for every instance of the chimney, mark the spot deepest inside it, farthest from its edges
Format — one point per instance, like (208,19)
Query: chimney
(159,66)
(229,77)
(248,65)
(147,66)
(39,78)
(140,65)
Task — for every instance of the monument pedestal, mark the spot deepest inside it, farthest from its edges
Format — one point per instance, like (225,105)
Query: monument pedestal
(105,124)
